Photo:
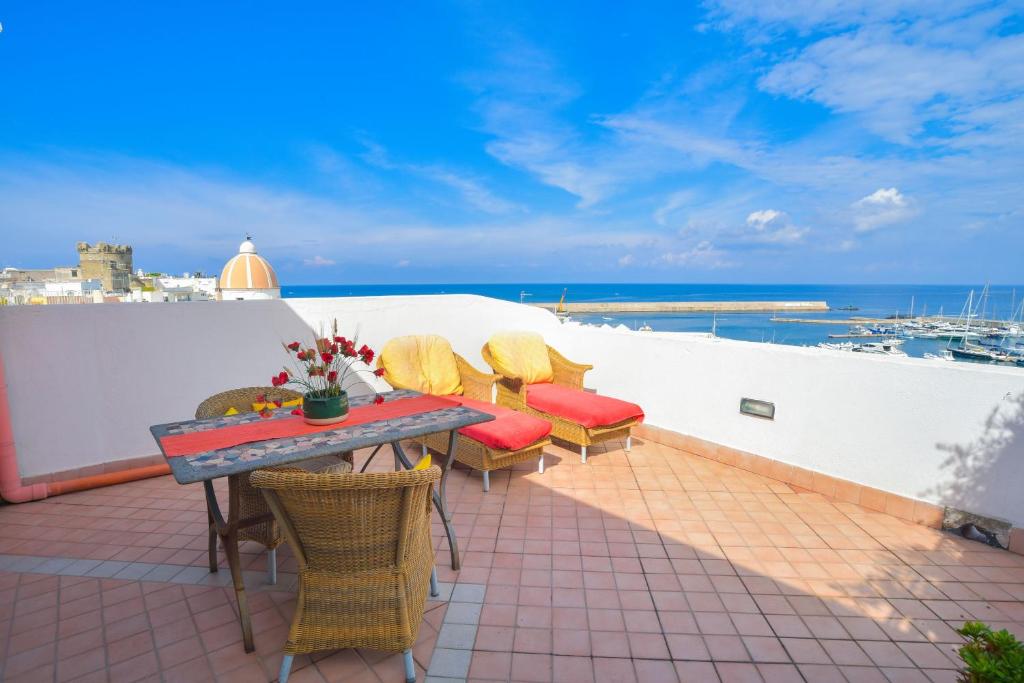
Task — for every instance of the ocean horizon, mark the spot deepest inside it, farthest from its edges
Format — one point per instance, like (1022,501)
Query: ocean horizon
(871,301)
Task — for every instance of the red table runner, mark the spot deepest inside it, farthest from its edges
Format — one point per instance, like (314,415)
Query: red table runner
(285,427)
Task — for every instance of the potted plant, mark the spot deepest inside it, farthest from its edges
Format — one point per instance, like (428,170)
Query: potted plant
(325,371)
(990,656)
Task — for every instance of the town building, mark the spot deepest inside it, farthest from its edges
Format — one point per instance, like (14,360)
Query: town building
(248,276)
(110,263)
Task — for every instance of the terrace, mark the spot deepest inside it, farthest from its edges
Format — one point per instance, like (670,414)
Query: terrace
(722,547)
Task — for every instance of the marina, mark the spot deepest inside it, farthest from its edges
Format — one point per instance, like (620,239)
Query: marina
(684,306)
(916,315)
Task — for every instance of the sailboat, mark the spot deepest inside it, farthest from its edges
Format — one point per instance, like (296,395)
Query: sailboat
(977,352)
(561,311)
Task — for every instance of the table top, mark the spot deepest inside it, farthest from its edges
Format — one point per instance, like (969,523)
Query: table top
(188,469)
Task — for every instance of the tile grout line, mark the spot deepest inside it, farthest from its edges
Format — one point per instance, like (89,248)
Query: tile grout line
(453,650)
(194,575)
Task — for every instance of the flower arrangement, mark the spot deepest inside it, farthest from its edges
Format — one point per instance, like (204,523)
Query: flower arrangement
(325,369)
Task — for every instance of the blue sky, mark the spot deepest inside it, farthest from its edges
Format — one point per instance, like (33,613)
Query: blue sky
(733,141)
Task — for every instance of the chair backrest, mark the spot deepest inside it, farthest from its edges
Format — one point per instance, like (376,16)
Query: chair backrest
(424,363)
(241,400)
(520,355)
(349,522)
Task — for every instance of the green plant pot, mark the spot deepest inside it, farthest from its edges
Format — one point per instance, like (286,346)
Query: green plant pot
(317,410)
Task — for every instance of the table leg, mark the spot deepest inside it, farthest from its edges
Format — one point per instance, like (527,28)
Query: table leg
(440,501)
(228,532)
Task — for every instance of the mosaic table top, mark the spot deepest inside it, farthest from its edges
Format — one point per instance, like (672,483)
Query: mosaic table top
(247,457)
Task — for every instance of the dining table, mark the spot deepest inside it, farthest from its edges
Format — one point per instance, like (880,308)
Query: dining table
(201,451)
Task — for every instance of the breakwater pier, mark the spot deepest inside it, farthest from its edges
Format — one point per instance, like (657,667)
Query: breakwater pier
(689,306)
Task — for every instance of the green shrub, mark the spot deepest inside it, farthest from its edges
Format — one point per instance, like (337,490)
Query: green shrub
(990,656)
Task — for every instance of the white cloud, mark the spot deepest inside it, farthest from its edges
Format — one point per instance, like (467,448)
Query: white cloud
(626,260)
(703,255)
(882,207)
(180,220)
(471,189)
(769,226)
(404,263)
(318,262)
(673,203)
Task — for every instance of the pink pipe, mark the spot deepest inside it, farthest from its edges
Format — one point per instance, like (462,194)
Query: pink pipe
(11,488)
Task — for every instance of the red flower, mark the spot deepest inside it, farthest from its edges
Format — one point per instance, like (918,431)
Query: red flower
(378,399)
(379,372)
(363,349)
(275,380)
(294,346)
(277,402)
(262,398)
(326,357)
(368,356)
(265,413)
(283,377)
(332,376)
(340,340)
(297,411)
(301,355)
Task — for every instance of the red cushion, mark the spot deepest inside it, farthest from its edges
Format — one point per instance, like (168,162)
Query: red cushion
(508,431)
(581,407)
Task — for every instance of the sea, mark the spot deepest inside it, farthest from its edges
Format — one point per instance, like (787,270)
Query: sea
(871,301)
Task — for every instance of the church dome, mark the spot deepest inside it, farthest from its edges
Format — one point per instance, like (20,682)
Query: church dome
(248,270)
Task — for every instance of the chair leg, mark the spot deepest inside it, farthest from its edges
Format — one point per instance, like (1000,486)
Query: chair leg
(410,667)
(583,454)
(629,443)
(434,592)
(487,481)
(540,463)
(286,668)
(213,541)
(272,566)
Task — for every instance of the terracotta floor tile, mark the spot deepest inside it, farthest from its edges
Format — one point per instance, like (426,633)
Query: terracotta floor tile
(613,566)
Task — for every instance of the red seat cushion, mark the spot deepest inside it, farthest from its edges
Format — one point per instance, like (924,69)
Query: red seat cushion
(581,407)
(508,431)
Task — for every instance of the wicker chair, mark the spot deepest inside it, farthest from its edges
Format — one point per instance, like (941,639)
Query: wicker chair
(365,557)
(249,518)
(512,393)
(477,386)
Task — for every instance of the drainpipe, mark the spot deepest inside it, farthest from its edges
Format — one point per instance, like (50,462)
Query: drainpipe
(11,488)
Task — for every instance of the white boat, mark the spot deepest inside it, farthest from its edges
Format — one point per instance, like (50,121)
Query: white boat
(877,348)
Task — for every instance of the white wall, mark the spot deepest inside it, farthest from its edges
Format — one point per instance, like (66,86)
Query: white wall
(942,432)
(947,433)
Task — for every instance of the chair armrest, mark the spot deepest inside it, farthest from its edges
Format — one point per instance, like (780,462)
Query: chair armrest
(566,372)
(511,392)
(475,384)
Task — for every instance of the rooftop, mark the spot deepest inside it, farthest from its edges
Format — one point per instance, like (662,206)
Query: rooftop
(659,565)
(724,546)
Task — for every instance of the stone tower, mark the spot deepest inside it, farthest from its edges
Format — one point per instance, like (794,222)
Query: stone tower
(109,263)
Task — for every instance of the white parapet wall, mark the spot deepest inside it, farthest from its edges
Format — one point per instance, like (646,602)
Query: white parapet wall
(86,382)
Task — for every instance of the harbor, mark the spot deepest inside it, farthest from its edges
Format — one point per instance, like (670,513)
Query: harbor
(685,306)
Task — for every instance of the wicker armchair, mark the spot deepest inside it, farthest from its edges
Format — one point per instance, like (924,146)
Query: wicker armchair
(365,557)
(512,393)
(477,386)
(249,518)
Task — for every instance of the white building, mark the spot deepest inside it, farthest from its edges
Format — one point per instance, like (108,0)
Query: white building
(248,276)
(72,288)
(186,288)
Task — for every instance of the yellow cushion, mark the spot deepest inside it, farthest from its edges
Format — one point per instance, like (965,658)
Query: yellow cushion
(257,407)
(231,411)
(424,363)
(521,355)
(424,463)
